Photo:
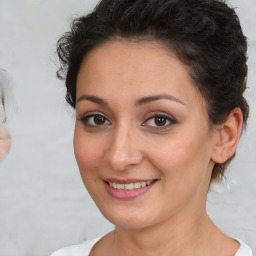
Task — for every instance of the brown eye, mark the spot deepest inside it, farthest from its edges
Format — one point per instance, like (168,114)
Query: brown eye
(95,120)
(160,121)
(99,120)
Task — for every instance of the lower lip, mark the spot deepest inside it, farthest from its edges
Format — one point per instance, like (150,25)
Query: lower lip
(123,194)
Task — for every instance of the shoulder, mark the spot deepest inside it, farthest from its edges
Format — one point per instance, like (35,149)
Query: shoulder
(244,249)
(82,249)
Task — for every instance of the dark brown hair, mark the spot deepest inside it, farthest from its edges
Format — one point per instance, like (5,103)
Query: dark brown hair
(204,34)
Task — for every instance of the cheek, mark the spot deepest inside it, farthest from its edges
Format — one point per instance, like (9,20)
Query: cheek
(182,155)
(183,165)
(88,151)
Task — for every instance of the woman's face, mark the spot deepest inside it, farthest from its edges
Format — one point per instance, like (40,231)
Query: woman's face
(142,139)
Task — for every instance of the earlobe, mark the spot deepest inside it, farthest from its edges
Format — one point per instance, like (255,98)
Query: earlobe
(227,137)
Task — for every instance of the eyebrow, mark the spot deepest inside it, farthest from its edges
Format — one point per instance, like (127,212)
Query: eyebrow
(92,98)
(139,102)
(149,99)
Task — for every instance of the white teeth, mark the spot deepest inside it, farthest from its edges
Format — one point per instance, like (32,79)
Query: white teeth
(130,186)
(136,185)
(120,186)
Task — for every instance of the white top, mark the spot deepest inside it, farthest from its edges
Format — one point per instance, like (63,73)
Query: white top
(84,249)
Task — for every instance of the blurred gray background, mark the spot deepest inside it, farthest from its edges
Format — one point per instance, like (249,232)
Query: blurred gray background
(43,203)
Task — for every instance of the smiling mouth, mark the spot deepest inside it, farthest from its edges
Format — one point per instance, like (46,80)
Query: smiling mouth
(130,186)
(128,189)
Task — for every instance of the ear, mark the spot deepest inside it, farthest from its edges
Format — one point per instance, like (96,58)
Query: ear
(227,137)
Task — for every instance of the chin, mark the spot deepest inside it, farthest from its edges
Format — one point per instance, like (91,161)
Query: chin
(129,218)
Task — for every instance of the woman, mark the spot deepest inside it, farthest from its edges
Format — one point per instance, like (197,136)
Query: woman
(158,91)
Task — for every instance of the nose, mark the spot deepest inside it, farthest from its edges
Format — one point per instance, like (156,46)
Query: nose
(124,151)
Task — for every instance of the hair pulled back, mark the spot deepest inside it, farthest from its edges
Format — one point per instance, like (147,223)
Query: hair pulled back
(204,34)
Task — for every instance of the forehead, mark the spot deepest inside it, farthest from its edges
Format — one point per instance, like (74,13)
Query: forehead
(137,66)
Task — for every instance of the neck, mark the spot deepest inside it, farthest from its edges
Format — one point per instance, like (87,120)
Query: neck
(174,236)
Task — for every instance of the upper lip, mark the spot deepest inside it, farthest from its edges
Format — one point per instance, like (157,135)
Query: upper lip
(126,181)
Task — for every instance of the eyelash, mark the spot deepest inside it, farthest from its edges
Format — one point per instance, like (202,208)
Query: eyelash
(86,119)
(165,118)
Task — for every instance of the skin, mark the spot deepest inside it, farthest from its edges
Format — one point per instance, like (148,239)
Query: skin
(5,139)
(5,143)
(128,143)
